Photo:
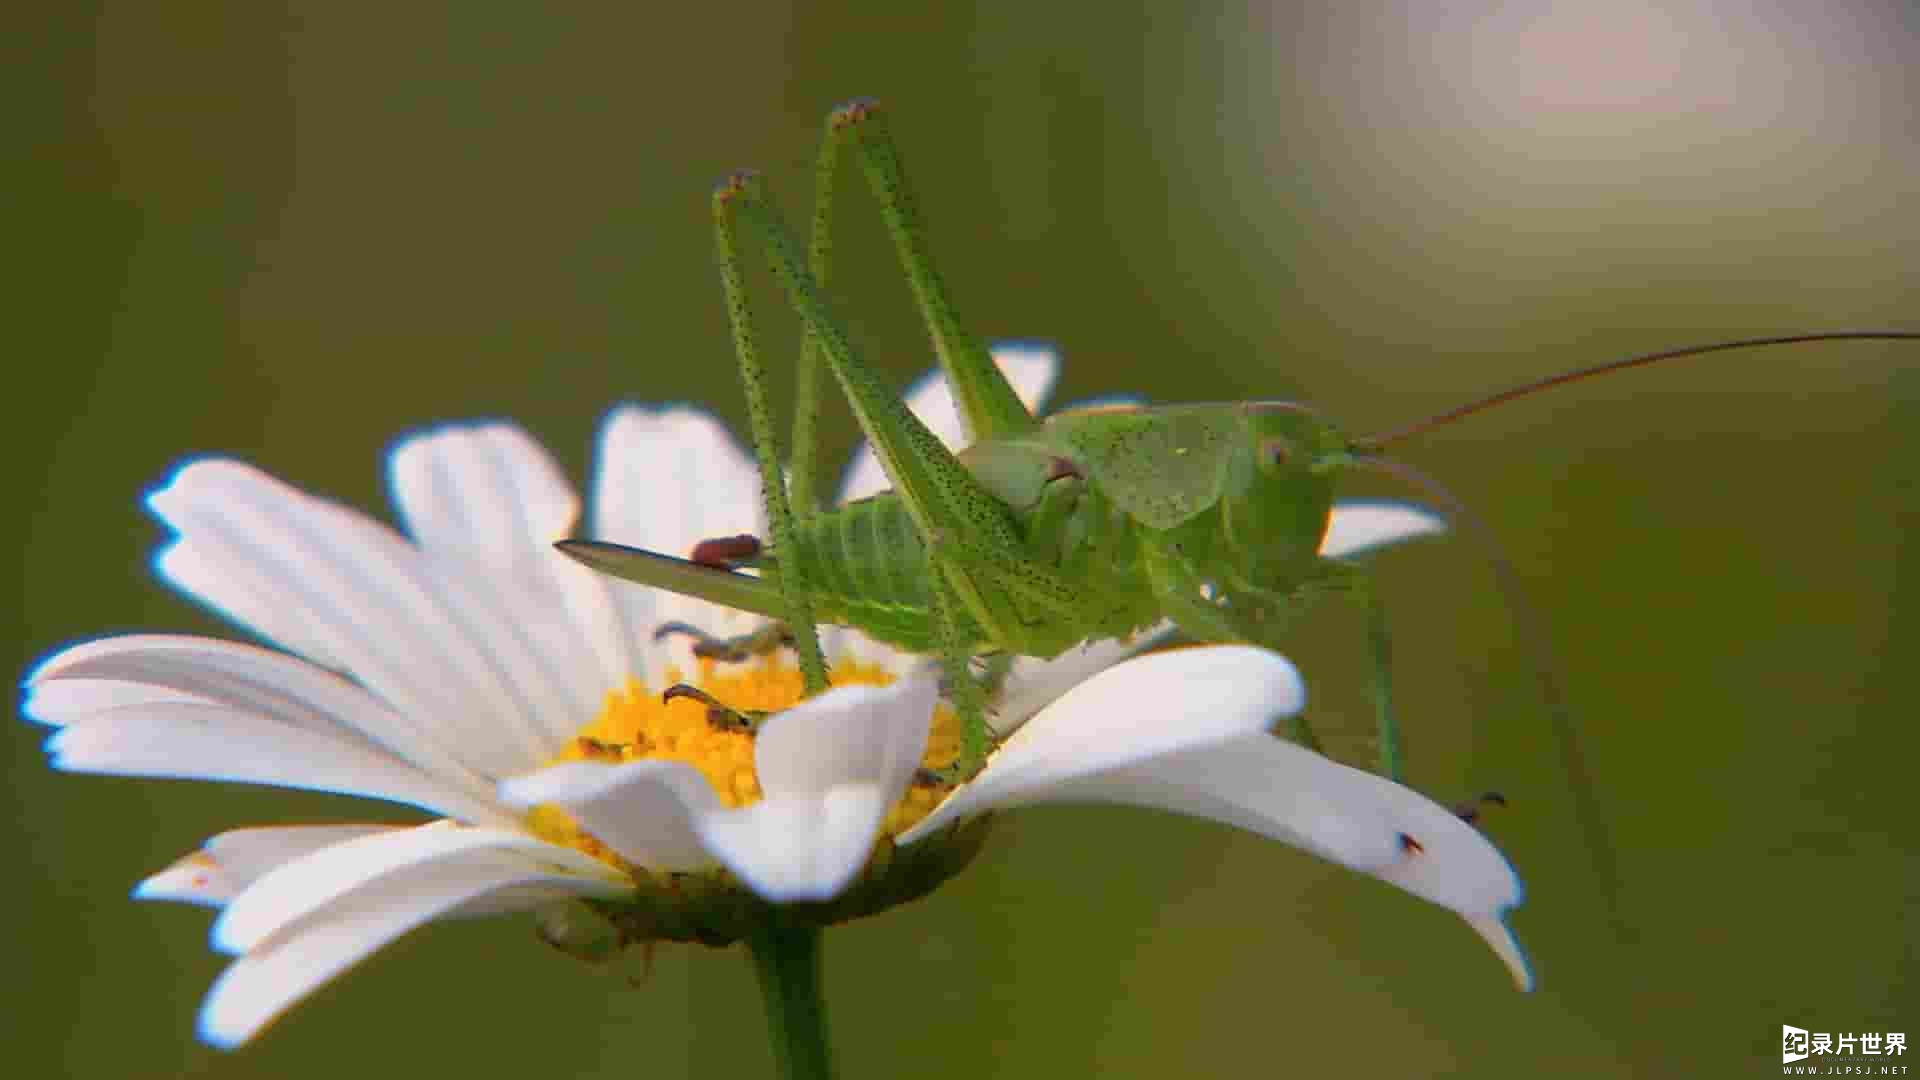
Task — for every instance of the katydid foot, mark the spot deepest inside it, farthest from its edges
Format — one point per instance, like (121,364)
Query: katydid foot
(720,715)
(1470,812)
(765,641)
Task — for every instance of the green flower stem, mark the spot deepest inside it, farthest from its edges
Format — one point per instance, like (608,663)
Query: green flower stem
(786,957)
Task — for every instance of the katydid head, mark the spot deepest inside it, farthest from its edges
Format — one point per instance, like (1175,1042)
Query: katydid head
(1290,439)
(1274,515)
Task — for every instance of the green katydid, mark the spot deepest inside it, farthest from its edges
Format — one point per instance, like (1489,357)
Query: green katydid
(1039,536)
(1042,534)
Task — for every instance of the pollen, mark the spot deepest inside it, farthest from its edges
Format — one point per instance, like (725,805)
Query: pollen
(635,724)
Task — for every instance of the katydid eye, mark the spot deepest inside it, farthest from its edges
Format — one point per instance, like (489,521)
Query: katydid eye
(1274,452)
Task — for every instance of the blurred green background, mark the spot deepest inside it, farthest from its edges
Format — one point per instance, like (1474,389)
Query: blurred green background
(292,232)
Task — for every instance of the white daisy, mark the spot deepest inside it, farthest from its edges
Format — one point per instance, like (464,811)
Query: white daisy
(468,669)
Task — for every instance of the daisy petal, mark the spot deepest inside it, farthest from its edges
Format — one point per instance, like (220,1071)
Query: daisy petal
(643,810)
(189,740)
(485,502)
(1031,368)
(871,735)
(1359,526)
(485,491)
(333,875)
(830,768)
(152,669)
(265,982)
(1138,711)
(1362,821)
(1499,937)
(349,592)
(669,478)
(1032,684)
(665,481)
(59,703)
(231,861)
(797,849)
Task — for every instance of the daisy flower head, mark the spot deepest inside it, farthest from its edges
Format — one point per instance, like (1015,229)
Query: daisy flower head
(572,751)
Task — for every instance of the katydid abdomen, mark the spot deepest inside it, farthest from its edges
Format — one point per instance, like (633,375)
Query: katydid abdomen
(867,567)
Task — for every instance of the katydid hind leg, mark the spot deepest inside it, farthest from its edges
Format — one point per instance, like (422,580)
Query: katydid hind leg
(1026,584)
(920,468)
(989,406)
(806,386)
(987,401)
(940,494)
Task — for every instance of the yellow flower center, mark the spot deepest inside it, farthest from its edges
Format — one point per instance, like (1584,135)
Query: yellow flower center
(635,724)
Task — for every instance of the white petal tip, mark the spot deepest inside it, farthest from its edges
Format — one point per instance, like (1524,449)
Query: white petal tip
(227,1022)
(223,1027)
(797,850)
(1499,937)
(1361,526)
(189,881)
(1044,355)
(525,792)
(222,940)
(776,891)
(566,784)
(218,1038)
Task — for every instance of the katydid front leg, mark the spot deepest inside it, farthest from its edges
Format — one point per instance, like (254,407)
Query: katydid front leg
(773,485)
(1380,671)
(1184,596)
(956,662)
